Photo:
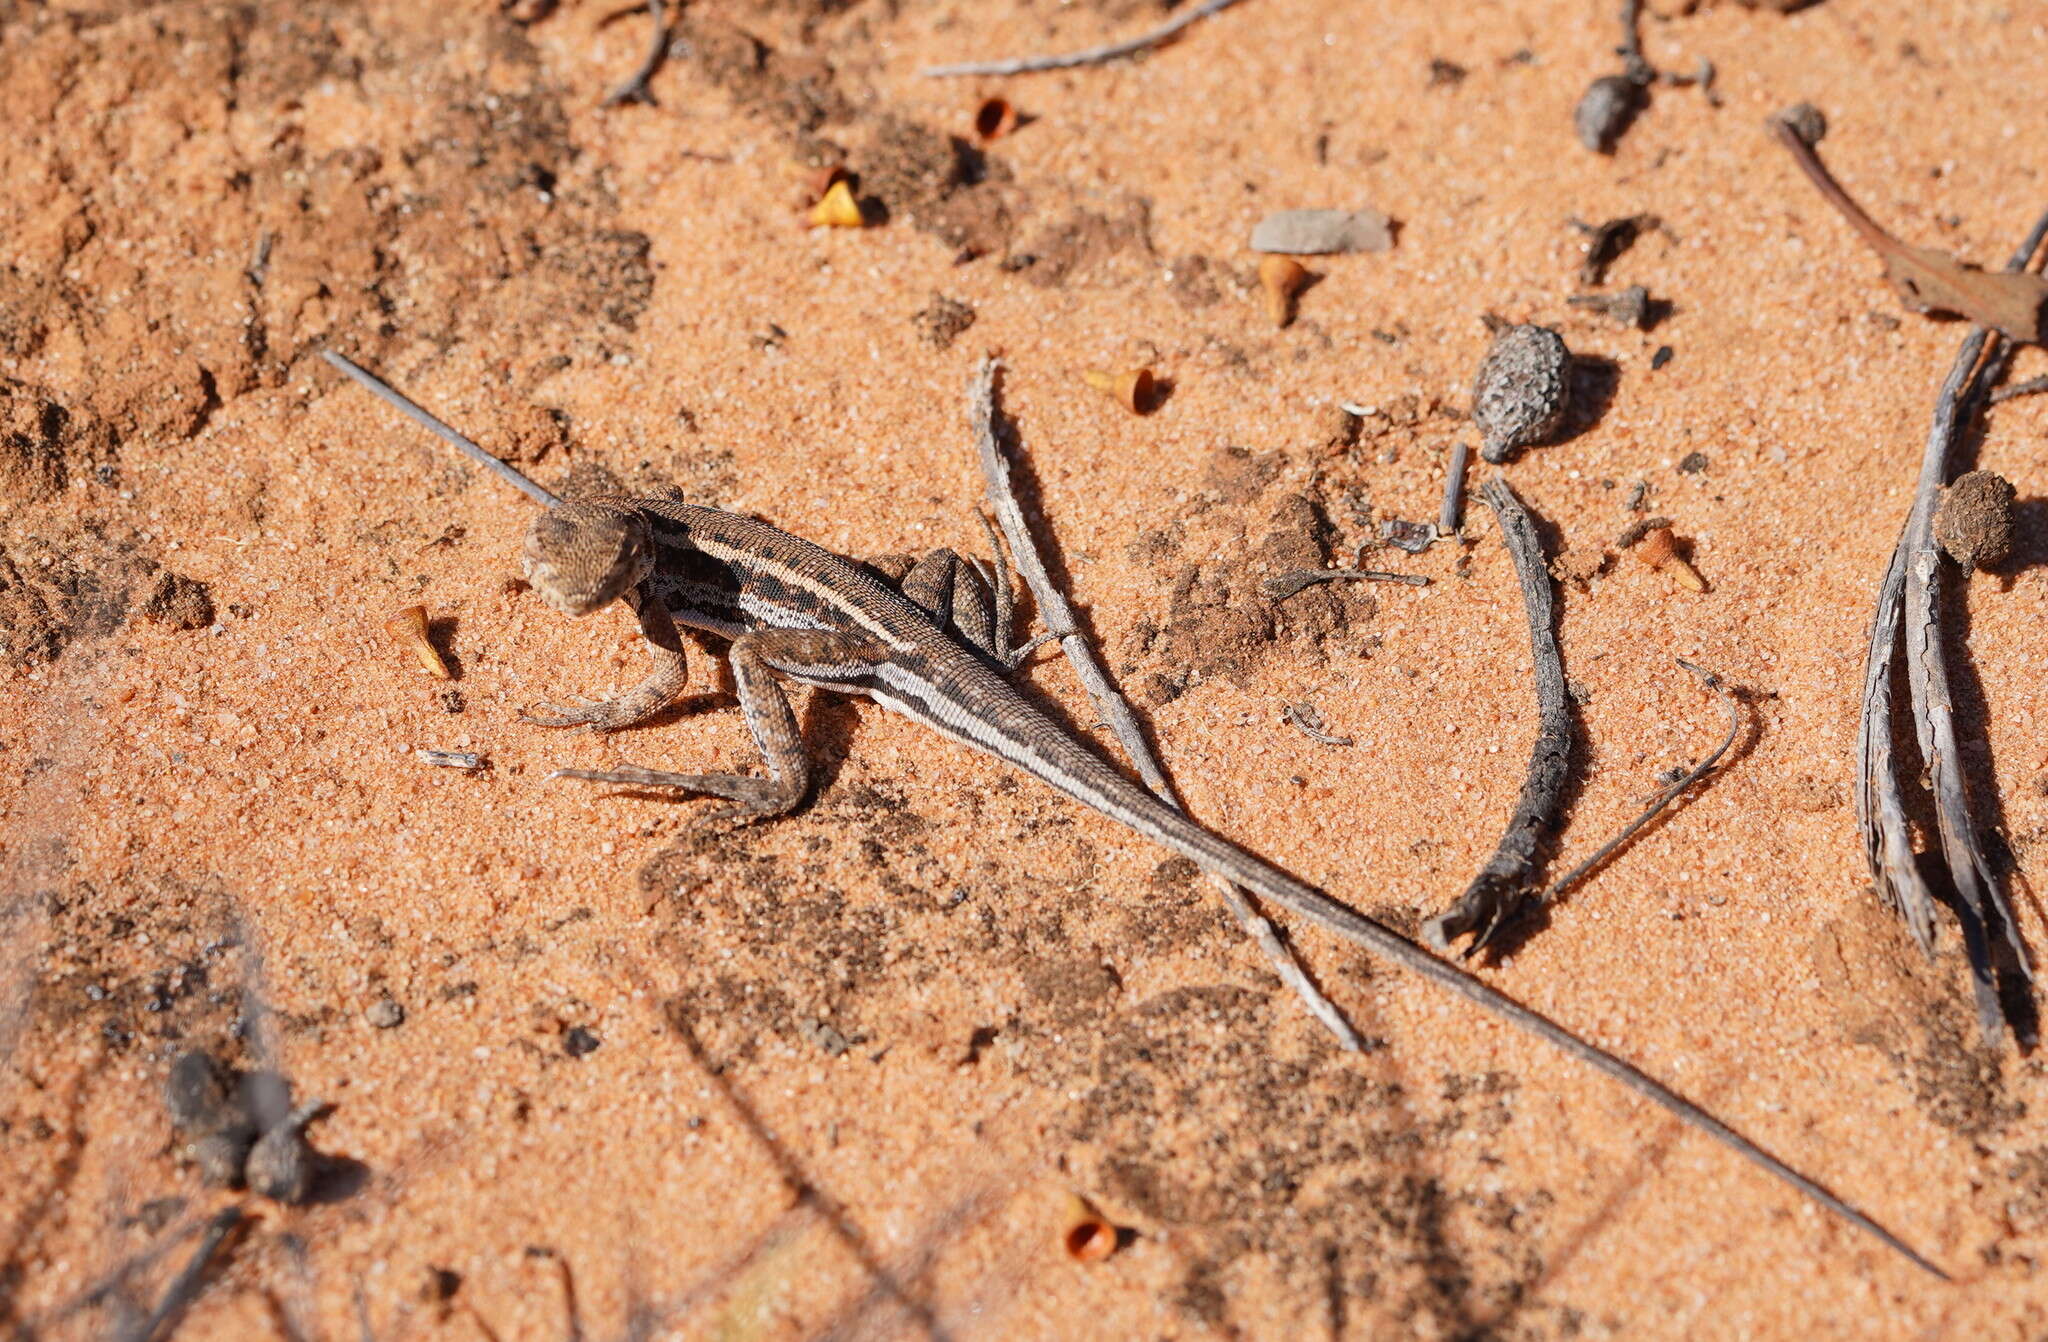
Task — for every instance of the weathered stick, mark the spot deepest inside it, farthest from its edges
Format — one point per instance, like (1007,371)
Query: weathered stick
(1058,616)
(1108,51)
(1664,798)
(1909,602)
(1501,888)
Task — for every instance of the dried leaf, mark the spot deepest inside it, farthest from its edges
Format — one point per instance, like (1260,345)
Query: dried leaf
(1927,279)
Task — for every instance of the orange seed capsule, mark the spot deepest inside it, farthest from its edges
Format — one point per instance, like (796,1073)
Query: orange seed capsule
(837,208)
(409,627)
(1659,549)
(1282,277)
(1133,390)
(995,118)
(1088,1237)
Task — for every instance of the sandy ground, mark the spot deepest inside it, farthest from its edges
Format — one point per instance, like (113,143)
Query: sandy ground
(840,1075)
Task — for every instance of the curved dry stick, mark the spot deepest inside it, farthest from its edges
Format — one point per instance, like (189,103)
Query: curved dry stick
(1109,51)
(1501,888)
(1058,616)
(1664,798)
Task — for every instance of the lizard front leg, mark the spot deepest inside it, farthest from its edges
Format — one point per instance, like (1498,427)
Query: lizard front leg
(670,672)
(755,657)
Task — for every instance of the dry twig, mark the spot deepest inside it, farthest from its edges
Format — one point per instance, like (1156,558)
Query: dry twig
(1058,616)
(635,89)
(185,1287)
(1109,51)
(1664,798)
(1909,601)
(1501,888)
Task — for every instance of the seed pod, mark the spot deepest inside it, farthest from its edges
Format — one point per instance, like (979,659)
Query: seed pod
(995,118)
(1974,523)
(1659,549)
(1088,1237)
(1282,277)
(1604,111)
(837,208)
(1522,392)
(409,627)
(1134,390)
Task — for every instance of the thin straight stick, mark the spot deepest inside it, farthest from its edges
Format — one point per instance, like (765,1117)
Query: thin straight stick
(1109,51)
(1453,510)
(413,412)
(1058,616)
(1500,889)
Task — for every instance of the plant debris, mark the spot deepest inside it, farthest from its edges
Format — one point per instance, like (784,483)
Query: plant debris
(1284,585)
(1323,232)
(1281,279)
(1109,51)
(1660,550)
(1135,390)
(1630,306)
(1605,110)
(1927,279)
(1607,241)
(1974,520)
(1499,893)
(1909,619)
(1309,719)
(409,628)
(1523,390)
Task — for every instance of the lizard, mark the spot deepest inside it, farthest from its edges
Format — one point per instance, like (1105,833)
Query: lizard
(932,647)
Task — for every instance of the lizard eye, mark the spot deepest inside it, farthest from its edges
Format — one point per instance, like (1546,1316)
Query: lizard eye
(581,557)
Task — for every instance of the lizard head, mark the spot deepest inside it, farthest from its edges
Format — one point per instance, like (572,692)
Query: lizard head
(583,555)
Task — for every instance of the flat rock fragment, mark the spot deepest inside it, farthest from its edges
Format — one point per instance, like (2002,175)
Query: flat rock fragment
(1323,232)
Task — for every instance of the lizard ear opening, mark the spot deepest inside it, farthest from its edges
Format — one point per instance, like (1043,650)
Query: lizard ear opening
(583,556)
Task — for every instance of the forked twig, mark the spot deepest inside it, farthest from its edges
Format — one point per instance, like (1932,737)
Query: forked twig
(1058,616)
(635,89)
(185,1287)
(1909,602)
(1501,888)
(1109,51)
(1664,798)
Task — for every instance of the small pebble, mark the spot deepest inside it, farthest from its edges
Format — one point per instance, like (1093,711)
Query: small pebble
(1974,522)
(221,1156)
(1523,390)
(282,1165)
(198,1093)
(385,1014)
(1322,232)
(1604,111)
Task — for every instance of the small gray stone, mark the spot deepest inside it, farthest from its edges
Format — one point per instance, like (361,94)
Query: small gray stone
(385,1014)
(1322,232)
(1523,389)
(282,1164)
(1604,111)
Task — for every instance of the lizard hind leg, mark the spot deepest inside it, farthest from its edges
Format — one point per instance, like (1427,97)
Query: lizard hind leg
(958,595)
(755,659)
